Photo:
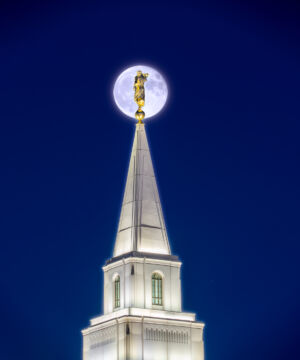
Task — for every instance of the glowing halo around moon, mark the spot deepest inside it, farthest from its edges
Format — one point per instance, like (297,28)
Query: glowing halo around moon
(156,91)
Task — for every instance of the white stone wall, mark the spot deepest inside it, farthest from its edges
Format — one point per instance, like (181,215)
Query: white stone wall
(136,284)
(144,339)
(101,344)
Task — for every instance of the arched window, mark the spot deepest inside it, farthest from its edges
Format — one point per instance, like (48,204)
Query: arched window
(117,291)
(156,289)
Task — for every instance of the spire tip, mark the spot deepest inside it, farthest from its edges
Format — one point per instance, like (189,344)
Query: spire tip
(139,115)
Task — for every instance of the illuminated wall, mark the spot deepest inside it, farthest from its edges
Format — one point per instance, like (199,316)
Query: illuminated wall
(131,338)
(136,287)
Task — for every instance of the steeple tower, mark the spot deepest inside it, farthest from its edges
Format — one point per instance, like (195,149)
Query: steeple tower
(141,226)
(142,308)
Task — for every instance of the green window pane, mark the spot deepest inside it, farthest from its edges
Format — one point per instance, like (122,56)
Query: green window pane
(117,292)
(156,289)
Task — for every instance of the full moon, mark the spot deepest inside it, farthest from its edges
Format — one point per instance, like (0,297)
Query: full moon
(156,91)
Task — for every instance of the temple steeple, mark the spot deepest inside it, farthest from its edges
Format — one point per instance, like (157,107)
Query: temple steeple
(141,226)
(142,305)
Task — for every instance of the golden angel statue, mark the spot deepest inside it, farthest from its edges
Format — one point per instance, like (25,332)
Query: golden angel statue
(139,90)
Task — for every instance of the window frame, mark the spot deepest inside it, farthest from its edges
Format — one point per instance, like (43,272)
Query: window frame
(117,291)
(157,289)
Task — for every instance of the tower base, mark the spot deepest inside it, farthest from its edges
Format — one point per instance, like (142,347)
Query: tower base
(141,334)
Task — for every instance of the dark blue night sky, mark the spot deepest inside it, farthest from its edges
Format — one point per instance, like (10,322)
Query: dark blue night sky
(226,154)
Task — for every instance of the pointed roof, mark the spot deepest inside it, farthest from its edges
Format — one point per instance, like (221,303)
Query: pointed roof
(141,226)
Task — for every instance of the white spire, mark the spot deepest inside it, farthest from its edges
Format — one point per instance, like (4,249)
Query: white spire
(141,226)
